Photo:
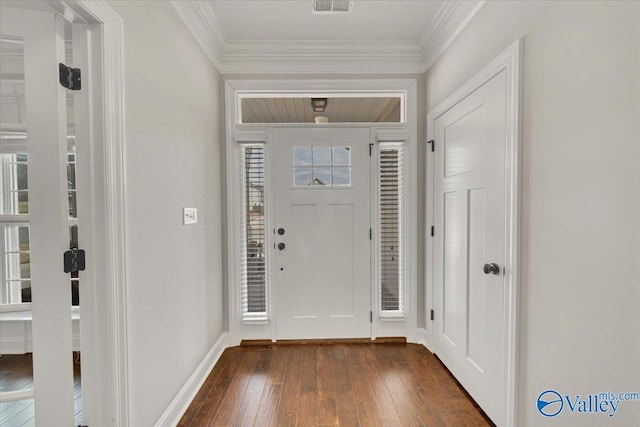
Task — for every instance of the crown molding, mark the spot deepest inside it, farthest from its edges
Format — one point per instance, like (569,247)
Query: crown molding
(449,21)
(311,57)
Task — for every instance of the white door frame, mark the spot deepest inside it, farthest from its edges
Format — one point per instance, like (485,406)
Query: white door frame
(510,62)
(237,133)
(104,316)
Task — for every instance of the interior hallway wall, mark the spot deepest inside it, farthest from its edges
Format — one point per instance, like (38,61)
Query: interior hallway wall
(580,281)
(420,256)
(174,295)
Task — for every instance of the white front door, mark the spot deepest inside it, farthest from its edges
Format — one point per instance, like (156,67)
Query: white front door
(38,214)
(469,200)
(321,268)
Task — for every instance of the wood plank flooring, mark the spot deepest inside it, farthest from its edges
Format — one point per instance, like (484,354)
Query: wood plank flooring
(16,373)
(332,385)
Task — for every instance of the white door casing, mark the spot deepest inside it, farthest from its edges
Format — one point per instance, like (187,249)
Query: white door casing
(321,278)
(474,203)
(238,134)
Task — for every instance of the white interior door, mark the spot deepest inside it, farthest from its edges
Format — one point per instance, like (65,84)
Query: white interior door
(321,269)
(469,200)
(42,122)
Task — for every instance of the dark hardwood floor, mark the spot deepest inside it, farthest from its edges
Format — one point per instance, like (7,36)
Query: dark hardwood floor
(16,373)
(343,384)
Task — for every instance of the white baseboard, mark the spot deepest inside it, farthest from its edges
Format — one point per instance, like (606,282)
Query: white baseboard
(188,392)
(424,337)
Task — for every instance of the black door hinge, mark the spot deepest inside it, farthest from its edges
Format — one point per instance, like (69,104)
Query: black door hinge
(370,234)
(371,317)
(433,231)
(74,260)
(433,144)
(70,77)
(431,314)
(370,149)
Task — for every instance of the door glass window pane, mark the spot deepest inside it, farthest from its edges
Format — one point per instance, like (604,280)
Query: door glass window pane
(302,156)
(341,176)
(322,156)
(341,156)
(301,176)
(321,176)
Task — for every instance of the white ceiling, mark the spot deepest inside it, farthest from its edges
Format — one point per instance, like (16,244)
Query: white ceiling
(293,20)
(381,36)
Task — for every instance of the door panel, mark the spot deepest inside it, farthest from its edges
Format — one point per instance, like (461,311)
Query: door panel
(321,279)
(42,35)
(470,209)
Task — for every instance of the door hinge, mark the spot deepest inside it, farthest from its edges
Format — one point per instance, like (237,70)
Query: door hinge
(371,317)
(370,234)
(74,260)
(70,77)
(433,231)
(433,144)
(370,149)
(431,314)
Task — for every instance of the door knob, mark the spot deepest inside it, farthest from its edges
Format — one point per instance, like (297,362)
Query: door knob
(492,268)
(281,231)
(281,246)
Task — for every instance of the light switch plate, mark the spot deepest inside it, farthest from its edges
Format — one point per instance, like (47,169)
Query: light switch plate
(189,216)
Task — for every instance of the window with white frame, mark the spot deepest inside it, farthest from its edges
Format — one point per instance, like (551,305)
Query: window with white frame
(15,263)
(323,166)
(252,236)
(390,199)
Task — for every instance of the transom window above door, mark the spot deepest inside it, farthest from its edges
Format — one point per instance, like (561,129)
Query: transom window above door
(321,108)
(321,166)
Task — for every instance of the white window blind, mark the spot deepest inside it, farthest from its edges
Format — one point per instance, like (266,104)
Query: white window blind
(390,229)
(252,244)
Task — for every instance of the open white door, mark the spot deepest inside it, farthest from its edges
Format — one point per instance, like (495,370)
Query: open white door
(470,208)
(40,212)
(321,271)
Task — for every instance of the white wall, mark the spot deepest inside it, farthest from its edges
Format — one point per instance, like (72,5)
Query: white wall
(174,300)
(580,285)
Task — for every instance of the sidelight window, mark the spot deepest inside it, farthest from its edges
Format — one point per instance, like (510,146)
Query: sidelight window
(391,230)
(252,244)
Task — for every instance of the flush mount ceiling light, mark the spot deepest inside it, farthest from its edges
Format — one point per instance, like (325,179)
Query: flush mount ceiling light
(331,7)
(319,104)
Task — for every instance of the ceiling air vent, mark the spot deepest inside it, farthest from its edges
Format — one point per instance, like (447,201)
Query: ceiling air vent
(331,7)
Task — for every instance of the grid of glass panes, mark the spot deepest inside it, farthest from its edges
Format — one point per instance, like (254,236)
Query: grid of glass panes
(321,166)
(17,185)
(16,261)
(14,233)
(16,264)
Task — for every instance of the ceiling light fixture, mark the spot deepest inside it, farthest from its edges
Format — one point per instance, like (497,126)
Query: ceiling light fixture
(319,104)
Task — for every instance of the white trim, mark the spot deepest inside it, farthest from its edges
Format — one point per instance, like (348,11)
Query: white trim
(421,336)
(12,396)
(108,201)
(238,132)
(510,62)
(313,57)
(188,392)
